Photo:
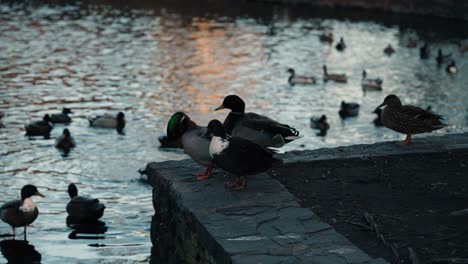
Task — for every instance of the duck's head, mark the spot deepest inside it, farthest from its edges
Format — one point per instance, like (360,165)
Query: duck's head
(177,125)
(216,128)
(46,118)
(233,102)
(72,190)
(341,40)
(66,111)
(391,100)
(28,191)
(291,71)
(66,133)
(120,116)
(323,118)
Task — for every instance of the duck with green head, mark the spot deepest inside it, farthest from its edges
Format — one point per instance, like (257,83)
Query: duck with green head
(194,141)
(408,119)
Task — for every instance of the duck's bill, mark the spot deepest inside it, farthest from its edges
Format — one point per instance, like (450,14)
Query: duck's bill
(219,107)
(39,194)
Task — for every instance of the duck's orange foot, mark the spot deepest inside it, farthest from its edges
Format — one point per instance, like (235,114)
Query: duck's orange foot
(407,141)
(206,175)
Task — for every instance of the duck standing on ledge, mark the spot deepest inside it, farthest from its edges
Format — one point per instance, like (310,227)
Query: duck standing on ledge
(257,128)
(408,119)
(333,76)
(22,212)
(62,117)
(194,141)
(341,46)
(109,121)
(299,79)
(238,156)
(39,128)
(83,209)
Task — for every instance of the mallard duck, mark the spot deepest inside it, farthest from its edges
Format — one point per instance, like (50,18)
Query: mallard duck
(371,84)
(378,112)
(321,124)
(238,156)
(82,209)
(193,140)
(62,117)
(348,109)
(340,46)
(65,141)
(333,77)
(22,212)
(39,128)
(389,50)
(257,128)
(408,119)
(108,121)
(326,37)
(424,51)
(443,58)
(299,79)
(451,68)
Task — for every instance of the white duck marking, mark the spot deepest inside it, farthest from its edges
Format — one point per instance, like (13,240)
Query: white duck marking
(217,145)
(28,205)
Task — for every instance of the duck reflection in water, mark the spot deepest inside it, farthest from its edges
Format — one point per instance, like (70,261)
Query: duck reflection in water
(89,230)
(19,251)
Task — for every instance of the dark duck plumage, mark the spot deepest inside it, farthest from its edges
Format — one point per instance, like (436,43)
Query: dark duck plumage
(424,51)
(320,124)
(82,209)
(378,112)
(62,117)
(109,121)
(193,139)
(22,212)
(442,58)
(451,68)
(39,128)
(65,141)
(238,156)
(348,109)
(389,50)
(408,119)
(299,79)
(341,46)
(257,128)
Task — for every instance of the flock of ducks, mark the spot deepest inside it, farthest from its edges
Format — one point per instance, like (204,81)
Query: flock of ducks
(81,209)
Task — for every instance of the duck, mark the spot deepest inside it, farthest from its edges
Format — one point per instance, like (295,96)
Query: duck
(348,109)
(451,68)
(254,127)
(22,212)
(341,78)
(1,116)
(321,124)
(193,140)
(82,209)
(389,50)
(371,84)
(377,122)
(39,128)
(424,51)
(326,37)
(238,156)
(61,117)
(341,46)
(408,119)
(442,58)
(299,79)
(108,121)
(65,141)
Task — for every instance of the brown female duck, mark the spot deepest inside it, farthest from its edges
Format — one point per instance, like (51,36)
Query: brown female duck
(408,119)
(342,78)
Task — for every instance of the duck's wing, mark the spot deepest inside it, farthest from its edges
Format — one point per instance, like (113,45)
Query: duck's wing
(15,204)
(420,119)
(263,123)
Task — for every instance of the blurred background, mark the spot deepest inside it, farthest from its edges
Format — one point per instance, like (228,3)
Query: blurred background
(151,60)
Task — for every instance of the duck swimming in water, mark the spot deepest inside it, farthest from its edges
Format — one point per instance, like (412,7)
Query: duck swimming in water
(408,119)
(39,128)
(62,117)
(22,212)
(389,50)
(193,139)
(109,121)
(320,124)
(348,109)
(341,78)
(238,156)
(82,209)
(254,127)
(371,84)
(424,51)
(341,46)
(299,79)
(65,142)
(451,68)
(442,58)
